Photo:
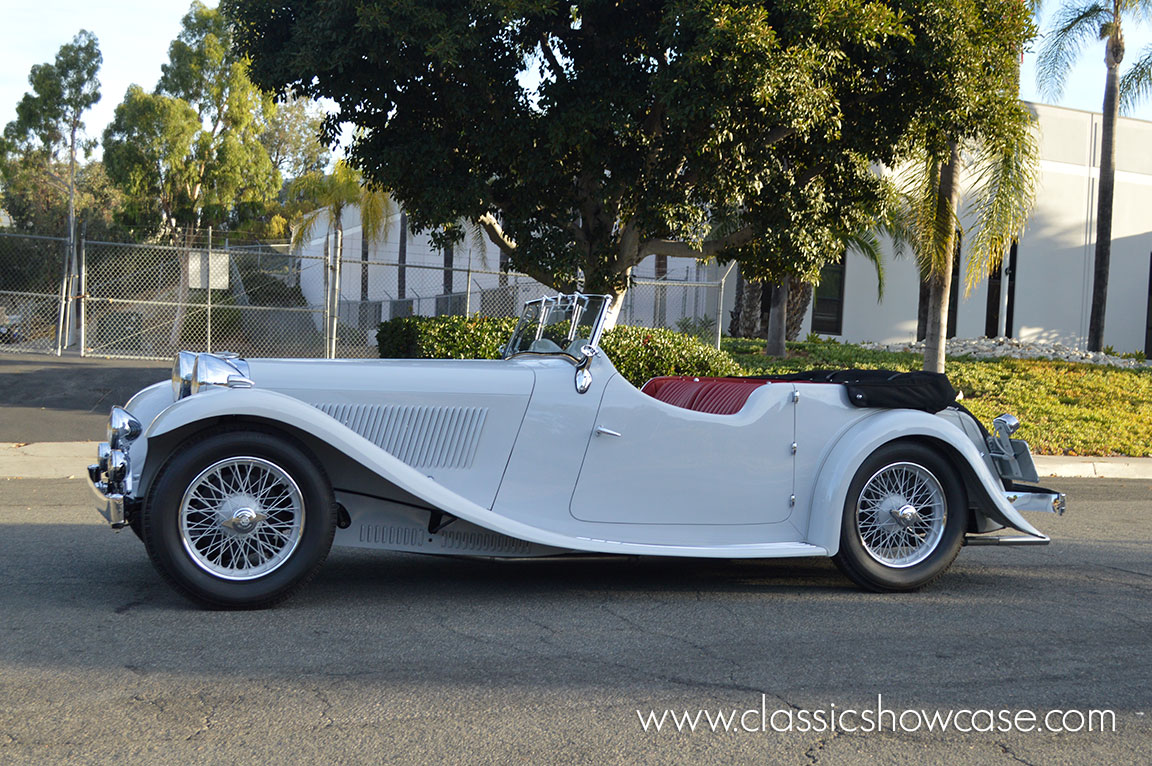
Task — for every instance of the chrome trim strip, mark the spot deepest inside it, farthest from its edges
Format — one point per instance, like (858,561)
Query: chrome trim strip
(1013,540)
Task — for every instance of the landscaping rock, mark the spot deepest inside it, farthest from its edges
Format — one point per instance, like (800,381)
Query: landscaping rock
(998,348)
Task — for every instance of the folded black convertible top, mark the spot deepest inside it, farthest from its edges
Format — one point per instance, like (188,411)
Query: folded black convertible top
(927,391)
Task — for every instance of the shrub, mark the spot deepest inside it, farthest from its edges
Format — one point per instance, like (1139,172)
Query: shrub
(449,337)
(639,353)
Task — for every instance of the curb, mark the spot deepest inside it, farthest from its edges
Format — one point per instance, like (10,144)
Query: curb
(69,460)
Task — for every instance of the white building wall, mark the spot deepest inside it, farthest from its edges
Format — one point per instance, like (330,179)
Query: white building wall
(1055,255)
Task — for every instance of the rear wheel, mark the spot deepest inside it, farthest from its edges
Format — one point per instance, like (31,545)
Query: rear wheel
(239,519)
(904,519)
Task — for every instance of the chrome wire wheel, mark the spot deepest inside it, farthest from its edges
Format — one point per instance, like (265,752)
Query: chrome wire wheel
(241,518)
(901,514)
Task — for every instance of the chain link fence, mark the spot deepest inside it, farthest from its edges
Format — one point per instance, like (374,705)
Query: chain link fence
(31,292)
(150,301)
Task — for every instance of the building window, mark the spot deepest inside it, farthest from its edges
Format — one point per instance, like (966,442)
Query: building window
(828,300)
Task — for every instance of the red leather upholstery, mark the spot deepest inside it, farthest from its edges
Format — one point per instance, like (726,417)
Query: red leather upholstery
(717,396)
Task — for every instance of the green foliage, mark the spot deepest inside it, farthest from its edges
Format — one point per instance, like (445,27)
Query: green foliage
(48,120)
(148,151)
(638,353)
(291,137)
(641,353)
(448,337)
(190,153)
(679,126)
(1065,408)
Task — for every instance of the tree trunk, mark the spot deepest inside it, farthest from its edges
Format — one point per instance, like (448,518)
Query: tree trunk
(777,320)
(734,314)
(940,283)
(1115,53)
(748,299)
(799,299)
(613,315)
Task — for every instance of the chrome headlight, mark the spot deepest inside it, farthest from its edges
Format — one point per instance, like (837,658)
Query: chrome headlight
(122,428)
(219,370)
(182,368)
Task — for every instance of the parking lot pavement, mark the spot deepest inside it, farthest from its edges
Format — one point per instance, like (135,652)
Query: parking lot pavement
(408,659)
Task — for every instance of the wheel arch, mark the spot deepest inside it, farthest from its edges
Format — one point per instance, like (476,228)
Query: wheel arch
(341,469)
(984,492)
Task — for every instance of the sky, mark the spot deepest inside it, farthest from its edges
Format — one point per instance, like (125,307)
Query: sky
(134,36)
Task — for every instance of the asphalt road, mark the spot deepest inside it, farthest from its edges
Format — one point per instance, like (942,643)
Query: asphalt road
(407,659)
(66,399)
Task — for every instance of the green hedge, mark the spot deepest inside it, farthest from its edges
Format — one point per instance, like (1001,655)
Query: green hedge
(639,353)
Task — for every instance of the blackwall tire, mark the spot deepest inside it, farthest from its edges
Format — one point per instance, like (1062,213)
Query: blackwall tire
(904,519)
(239,519)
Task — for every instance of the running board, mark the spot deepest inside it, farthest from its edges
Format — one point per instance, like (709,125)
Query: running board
(1016,540)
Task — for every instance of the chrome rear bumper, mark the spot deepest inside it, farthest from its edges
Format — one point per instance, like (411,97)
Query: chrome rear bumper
(1038,499)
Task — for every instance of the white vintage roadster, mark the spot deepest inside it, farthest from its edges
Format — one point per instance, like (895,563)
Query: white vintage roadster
(240,474)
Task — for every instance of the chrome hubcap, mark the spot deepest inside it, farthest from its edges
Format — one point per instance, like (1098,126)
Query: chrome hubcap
(241,518)
(900,514)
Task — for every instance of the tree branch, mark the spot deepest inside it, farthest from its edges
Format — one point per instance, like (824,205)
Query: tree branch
(496,234)
(550,57)
(708,248)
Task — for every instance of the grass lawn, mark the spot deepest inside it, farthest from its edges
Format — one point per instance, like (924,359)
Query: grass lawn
(1065,408)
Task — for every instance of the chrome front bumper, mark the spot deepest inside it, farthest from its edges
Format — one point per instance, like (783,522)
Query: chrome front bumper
(111,479)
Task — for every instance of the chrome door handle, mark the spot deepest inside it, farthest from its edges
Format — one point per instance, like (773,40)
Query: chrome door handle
(602,431)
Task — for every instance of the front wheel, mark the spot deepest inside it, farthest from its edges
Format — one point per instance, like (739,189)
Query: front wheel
(904,519)
(239,519)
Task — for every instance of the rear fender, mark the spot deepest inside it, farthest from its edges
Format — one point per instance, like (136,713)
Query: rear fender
(985,491)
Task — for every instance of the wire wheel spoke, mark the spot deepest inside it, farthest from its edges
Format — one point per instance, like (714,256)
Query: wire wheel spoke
(891,534)
(241,518)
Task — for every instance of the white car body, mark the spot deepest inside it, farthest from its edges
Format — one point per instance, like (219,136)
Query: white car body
(508,458)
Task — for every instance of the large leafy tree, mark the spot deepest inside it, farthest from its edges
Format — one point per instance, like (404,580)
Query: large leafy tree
(585,136)
(291,136)
(1075,26)
(48,131)
(148,151)
(190,153)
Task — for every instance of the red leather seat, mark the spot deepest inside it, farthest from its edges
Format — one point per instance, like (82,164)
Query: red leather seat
(716,396)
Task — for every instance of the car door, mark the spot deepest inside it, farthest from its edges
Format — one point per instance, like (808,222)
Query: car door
(648,462)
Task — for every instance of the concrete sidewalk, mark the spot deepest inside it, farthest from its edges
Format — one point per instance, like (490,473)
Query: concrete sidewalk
(69,460)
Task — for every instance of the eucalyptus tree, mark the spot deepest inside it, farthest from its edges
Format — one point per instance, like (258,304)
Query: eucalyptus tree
(585,136)
(1075,26)
(49,124)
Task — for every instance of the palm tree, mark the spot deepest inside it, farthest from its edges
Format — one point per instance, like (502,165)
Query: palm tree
(1002,167)
(333,193)
(1076,25)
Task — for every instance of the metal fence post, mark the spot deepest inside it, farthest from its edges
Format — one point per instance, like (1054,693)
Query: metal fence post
(83,297)
(720,303)
(208,296)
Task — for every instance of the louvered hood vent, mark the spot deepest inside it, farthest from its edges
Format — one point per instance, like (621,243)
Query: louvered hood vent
(422,437)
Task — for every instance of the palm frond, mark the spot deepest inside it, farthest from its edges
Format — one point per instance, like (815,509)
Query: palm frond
(477,241)
(1005,176)
(1136,84)
(867,244)
(304,226)
(1073,27)
(376,213)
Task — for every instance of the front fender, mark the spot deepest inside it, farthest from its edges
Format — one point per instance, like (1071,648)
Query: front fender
(273,407)
(853,448)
